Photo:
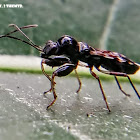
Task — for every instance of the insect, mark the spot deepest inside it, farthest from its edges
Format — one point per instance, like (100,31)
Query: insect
(67,53)
(115,64)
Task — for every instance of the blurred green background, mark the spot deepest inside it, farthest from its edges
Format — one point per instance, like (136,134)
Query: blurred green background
(104,24)
(87,21)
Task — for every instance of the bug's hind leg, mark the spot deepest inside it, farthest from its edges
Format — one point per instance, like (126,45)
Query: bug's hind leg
(133,87)
(104,96)
(123,75)
(121,87)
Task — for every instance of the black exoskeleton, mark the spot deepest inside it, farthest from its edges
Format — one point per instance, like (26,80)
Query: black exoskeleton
(67,53)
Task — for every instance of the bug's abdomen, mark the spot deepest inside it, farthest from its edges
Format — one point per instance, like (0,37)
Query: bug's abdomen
(128,67)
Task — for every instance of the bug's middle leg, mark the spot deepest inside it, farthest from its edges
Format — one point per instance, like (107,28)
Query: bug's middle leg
(79,81)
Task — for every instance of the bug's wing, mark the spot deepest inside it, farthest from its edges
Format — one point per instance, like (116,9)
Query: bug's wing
(112,55)
(113,61)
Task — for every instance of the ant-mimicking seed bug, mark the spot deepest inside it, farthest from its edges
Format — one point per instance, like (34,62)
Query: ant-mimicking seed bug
(67,53)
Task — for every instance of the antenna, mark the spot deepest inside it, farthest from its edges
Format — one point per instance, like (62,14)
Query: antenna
(19,29)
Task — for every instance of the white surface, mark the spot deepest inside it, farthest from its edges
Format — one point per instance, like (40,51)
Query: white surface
(19,61)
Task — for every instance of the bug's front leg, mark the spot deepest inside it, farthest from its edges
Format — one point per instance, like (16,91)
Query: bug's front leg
(55,62)
(43,70)
(61,71)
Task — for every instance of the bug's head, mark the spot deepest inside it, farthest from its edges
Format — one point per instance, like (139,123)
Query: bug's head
(50,49)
